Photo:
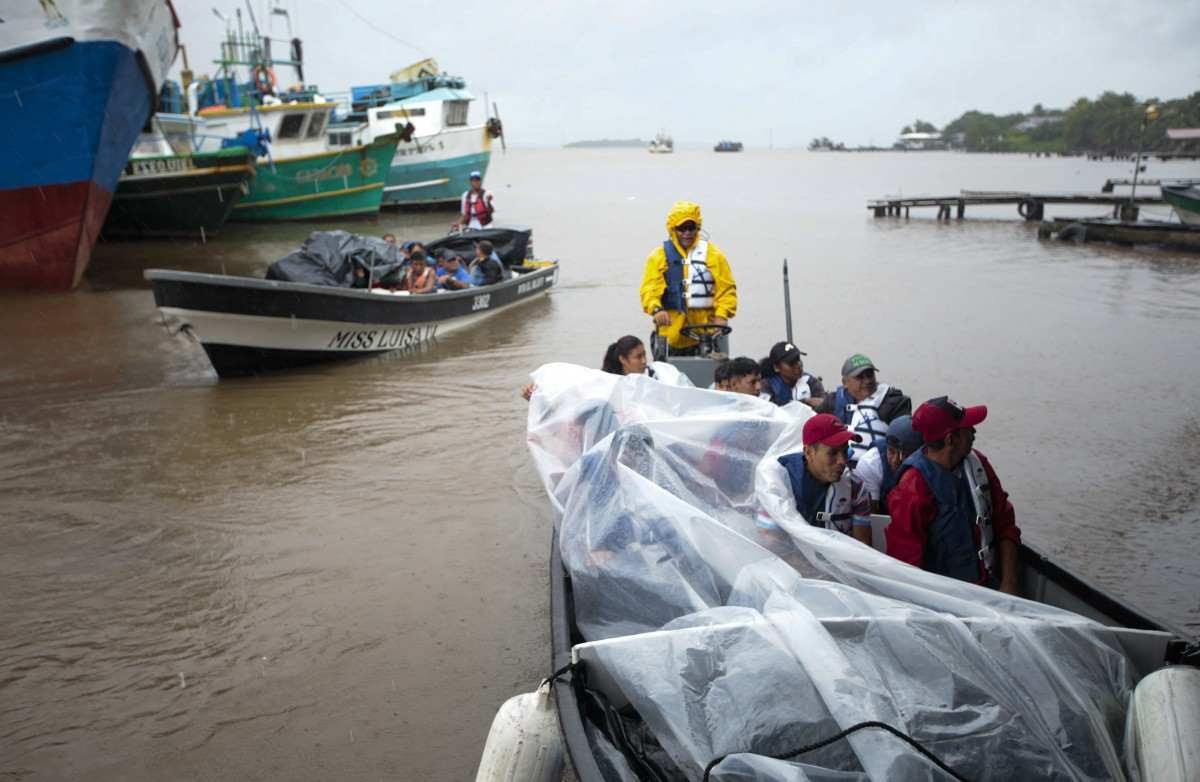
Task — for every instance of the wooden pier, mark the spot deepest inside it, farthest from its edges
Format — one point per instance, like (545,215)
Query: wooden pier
(1031,206)
(1109,184)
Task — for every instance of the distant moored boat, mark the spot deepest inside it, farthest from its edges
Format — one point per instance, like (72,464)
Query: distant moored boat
(1185,201)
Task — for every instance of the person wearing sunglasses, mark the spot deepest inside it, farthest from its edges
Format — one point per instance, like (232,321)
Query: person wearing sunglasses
(827,494)
(687,281)
(950,515)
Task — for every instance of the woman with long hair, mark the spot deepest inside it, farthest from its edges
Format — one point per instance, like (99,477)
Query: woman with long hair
(626,356)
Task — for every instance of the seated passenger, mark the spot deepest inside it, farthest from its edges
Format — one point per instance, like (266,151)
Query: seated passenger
(950,515)
(864,404)
(486,269)
(454,276)
(784,379)
(626,356)
(827,494)
(389,238)
(877,468)
(419,278)
(739,375)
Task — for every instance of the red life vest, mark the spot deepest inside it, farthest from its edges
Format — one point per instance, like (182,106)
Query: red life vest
(477,207)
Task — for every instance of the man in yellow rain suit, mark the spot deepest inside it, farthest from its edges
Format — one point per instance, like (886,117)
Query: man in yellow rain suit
(687,280)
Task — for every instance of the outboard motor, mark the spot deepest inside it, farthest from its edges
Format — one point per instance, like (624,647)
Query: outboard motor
(1162,728)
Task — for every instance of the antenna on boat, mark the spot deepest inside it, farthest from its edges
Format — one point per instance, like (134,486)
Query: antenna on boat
(787,301)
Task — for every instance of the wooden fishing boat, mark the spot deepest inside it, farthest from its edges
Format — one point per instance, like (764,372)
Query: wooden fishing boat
(250,326)
(179,195)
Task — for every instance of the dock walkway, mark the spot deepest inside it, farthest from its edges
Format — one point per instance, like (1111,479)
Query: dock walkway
(1029,205)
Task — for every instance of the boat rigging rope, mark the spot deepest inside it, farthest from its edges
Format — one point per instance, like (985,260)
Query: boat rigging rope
(839,736)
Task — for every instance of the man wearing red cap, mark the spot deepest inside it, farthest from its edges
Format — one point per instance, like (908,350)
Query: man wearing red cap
(950,515)
(827,494)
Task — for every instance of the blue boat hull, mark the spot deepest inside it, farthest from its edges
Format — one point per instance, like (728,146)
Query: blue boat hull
(444,180)
(72,112)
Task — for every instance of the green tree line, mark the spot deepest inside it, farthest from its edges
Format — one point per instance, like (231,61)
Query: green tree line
(1109,124)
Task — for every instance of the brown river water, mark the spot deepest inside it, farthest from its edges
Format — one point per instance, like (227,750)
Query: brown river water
(341,572)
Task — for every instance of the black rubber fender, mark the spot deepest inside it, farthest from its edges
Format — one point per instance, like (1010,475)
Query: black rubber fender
(1073,232)
(1028,207)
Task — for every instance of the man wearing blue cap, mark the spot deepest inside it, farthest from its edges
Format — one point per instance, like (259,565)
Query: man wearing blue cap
(877,467)
(477,207)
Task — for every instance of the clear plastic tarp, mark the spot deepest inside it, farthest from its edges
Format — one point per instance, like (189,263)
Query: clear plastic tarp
(733,626)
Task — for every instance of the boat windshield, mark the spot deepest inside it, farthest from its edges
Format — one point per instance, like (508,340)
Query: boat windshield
(730,625)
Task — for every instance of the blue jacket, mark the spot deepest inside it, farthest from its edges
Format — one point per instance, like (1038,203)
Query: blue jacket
(950,548)
(781,393)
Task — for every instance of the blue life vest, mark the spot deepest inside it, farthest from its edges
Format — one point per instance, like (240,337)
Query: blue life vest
(828,505)
(841,405)
(890,476)
(674,297)
(781,393)
(950,548)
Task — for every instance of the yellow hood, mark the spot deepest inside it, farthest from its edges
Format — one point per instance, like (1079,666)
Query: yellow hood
(681,212)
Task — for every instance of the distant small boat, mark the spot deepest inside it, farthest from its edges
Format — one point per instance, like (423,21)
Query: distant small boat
(728,146)
(1185,201)
(662,144)
(162,193)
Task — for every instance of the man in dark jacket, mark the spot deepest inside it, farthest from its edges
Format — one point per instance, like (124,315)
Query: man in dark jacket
(950,515)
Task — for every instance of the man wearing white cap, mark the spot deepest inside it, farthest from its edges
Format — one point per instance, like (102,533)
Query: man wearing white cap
(477,207)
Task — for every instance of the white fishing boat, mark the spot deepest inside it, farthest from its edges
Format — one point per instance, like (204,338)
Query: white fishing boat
(439,146)
(662,144)
(311,308)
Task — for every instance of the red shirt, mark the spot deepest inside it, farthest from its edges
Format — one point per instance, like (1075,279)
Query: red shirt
(913,510)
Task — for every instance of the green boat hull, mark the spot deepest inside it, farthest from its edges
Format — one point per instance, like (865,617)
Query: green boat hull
(341,183)
(1186,201)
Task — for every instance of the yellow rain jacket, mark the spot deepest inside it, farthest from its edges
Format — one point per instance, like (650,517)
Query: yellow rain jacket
(654,281)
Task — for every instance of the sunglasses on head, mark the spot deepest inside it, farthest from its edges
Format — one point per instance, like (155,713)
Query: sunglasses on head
(686,228)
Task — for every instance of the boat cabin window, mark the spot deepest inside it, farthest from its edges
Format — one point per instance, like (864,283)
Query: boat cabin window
(400,114)
(339,139)
(291,126)
(456,112)
(316,125)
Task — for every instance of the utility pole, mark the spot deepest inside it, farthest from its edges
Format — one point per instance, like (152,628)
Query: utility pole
(1148,116)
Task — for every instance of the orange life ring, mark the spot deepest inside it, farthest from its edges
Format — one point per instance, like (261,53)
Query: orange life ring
(264,80)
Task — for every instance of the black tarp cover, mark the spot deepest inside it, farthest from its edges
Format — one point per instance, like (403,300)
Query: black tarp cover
(330,257)
(510,243)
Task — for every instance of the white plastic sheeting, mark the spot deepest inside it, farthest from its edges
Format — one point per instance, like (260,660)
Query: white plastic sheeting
(732,626)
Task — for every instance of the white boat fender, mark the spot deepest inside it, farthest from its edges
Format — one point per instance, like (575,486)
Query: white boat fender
(1162,728)
(524,743)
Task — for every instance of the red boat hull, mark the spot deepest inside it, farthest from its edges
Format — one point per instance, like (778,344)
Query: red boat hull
(47,234)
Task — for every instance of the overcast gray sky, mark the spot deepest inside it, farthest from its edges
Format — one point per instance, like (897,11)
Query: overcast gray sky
(856,72)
